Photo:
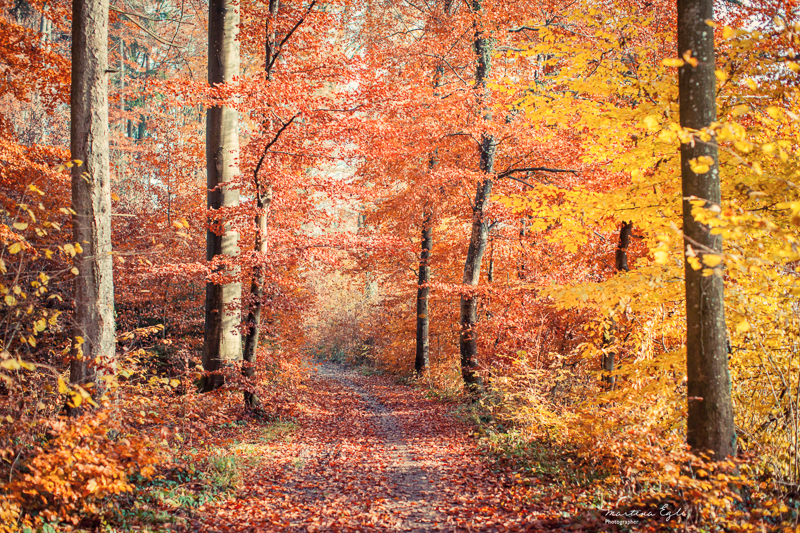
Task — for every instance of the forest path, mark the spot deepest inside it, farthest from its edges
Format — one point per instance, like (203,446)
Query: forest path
(370,455)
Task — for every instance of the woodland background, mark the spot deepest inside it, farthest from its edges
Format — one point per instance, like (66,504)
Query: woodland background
(365,132)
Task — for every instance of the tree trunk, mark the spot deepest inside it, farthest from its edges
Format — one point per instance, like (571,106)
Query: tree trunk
(422,361)
(270,42)
(253,320)
(91,192)
(222,342)
(263,201)
(710,411)
(468,342)
(621,263)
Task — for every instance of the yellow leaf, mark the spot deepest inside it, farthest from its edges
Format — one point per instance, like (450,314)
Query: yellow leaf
(774,112)
(77,400)
(114,197)
(174,383)
(74,271)
(743,326)
(10,300)
(661,257)
(62,387)
(740,110)
(20,225)
(687,56)
(721,75)
(712,260)
(15,248)
(651,122)
(701,165)
(78,248)
(10,364)
(694,263)
(672,62)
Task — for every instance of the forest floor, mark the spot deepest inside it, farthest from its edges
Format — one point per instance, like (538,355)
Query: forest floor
(367,454)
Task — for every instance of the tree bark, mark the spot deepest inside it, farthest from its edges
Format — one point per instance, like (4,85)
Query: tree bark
(222,342)
(263,201)
(710,411)
(253,319)
(91,192)
(468,316)
(621,263)
(422,361)
(270,42)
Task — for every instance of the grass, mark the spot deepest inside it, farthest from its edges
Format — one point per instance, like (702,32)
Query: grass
(170,498)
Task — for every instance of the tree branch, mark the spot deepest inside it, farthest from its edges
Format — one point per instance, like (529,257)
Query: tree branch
(279,48)
(508,173)
(266,150)
(150,33)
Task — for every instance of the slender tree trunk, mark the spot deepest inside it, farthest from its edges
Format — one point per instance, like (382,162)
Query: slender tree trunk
(621,263)
(710,411)
(253,320)
(263,201)
(490,271)
(222,341)
(91,192)
(270,43)
(468,319)
(45,26)
(422,361)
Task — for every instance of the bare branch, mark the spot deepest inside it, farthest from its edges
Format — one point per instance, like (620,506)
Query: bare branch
(508,173)
(266,150)
(279,48)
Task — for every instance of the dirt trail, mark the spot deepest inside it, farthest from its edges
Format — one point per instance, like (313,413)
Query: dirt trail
(370,455)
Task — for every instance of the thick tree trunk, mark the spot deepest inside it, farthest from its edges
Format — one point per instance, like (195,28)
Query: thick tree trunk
(253,320)
(621,263)
(222,340)
(710,419)
(422,361)
(91,192)
(468,319)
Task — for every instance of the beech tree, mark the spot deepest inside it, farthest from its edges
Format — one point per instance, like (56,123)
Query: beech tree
(222,341)
(479,237)
(91,192)
(710,417)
